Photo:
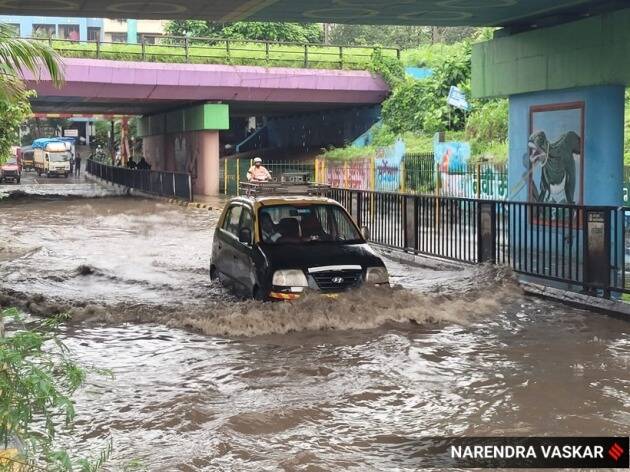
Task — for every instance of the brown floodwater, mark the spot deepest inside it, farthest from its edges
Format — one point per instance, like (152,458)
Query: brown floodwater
(204,381)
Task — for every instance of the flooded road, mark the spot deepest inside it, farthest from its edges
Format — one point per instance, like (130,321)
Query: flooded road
(203,381)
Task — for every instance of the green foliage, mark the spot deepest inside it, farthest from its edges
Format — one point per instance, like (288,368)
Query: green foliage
(251,30)
(240,53)
(388,67)
(402,37)
(13,113)
(16,55)
(627,130)
(433,55)
(420,105)
(37,380)
(487,129)
(379,35)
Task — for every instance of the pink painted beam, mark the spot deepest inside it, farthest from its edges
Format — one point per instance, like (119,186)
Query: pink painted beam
(112,80)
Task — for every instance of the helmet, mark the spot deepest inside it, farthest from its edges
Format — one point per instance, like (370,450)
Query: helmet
(257,160)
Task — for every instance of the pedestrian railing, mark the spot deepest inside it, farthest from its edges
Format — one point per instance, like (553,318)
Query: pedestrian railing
(582,247)
(165,184)
(199,50)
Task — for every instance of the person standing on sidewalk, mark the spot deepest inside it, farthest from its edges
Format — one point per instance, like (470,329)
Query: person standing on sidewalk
(77,163)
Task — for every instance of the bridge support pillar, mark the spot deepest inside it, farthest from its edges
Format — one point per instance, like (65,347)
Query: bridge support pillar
(187,141)
(566,146)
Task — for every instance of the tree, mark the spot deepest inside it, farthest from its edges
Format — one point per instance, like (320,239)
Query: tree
(12,114)
(37,380)
(252,30)
(17,54)
(420,105)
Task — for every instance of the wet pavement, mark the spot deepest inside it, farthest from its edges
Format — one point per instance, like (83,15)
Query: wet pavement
(204,381)
(42,186)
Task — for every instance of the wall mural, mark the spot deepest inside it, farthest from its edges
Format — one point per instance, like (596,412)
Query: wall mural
(555,157)
(452,159)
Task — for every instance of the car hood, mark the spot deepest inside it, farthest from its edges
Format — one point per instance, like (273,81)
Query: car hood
(9,167)
(292,256)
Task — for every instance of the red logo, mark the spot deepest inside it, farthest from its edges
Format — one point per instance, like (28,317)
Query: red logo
(615,451)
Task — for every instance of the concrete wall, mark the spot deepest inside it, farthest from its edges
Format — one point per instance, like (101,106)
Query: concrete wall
(193,152)
(603,140)
(593,51)
(312,131)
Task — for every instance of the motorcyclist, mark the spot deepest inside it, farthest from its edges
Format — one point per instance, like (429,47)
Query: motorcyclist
(258,172)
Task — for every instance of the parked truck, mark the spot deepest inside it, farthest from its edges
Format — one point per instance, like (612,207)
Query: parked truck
(51,157)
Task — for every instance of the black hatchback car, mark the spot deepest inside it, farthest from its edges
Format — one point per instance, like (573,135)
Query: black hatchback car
(279,247)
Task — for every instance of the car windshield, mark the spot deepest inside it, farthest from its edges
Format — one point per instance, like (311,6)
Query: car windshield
(293,224)
(12,160)
(59,156)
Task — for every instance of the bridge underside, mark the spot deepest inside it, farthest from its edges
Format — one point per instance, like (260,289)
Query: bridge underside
(134,88)
(520,13)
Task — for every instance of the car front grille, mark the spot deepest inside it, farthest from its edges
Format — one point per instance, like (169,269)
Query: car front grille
(10,173)
(338,280)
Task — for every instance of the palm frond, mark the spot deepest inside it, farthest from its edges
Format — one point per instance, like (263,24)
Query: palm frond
(17,54)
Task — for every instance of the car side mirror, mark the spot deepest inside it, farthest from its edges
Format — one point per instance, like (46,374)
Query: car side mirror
(245,235)
(365,232)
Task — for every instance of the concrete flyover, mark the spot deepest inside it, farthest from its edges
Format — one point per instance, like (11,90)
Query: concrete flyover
(138,88)
(184,106)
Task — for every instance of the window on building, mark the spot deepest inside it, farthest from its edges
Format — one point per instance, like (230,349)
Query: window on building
(44,31)
(94,33)
(15,28)
(70,32)
(147,38)
(119,37)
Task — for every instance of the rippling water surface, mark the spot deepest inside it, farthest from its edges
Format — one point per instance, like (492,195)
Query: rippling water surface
(203,381)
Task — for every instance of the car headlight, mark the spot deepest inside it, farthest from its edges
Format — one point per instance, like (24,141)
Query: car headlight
(377,275)
(289,278)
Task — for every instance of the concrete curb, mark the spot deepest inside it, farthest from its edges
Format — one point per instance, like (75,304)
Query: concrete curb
(614,308)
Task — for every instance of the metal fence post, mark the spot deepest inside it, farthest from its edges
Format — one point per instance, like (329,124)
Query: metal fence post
(486,232)
(227,50)
(341,57)
(267,51)
(98,48)
(144,51)
(306,56)
(186,48)
(478,180)
(410,215)
(355,207)
(597,248)
(190,188)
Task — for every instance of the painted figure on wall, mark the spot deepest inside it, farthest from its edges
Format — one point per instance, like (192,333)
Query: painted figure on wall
(558,167)
(555,153)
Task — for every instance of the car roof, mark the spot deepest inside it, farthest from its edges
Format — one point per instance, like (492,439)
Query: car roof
(284,200)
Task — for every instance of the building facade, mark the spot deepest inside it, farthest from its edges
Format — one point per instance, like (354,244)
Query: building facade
(86,29)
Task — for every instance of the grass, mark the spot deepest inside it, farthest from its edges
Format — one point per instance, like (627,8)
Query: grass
(237,53)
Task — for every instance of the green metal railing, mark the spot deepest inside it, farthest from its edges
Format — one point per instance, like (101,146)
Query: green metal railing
(233,171)
(179,49)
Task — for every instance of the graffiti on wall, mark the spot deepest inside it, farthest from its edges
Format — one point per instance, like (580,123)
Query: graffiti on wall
(555,155)
(388,166)
(354,174)
(451,158)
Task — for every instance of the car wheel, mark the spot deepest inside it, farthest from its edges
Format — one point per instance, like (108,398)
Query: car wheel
(18,180)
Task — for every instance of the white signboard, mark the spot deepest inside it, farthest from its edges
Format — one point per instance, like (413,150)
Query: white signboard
(457,99)
(71,133)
